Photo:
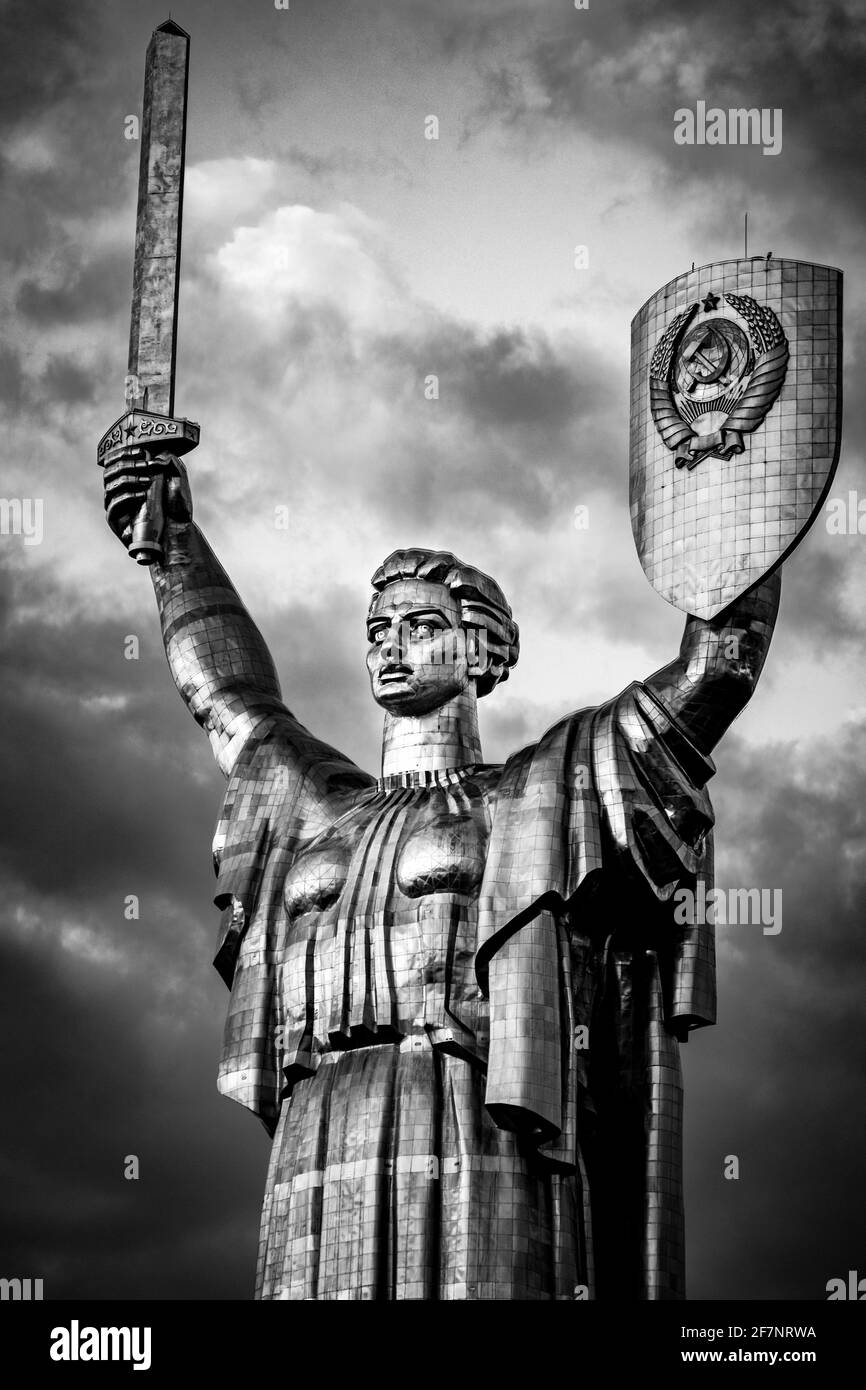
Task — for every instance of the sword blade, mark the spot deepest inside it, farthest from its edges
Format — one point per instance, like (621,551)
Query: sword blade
(156,274)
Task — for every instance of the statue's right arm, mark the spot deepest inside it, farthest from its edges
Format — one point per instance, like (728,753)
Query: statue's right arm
(218,657)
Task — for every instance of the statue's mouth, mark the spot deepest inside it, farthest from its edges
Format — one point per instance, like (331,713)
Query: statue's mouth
(394,673)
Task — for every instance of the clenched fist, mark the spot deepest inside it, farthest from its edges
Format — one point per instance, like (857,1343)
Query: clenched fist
(141,492)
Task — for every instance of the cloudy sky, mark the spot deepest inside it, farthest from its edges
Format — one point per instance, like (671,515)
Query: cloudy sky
(334,258)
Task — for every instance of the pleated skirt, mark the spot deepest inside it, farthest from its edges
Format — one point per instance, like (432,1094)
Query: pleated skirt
(388,1180)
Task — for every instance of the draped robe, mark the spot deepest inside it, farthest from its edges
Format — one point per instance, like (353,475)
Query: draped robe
(535,1088)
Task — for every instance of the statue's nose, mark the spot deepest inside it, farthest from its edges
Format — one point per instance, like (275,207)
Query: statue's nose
(392,646)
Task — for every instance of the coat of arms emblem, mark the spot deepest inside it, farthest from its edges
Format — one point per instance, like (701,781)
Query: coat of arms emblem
(714,377)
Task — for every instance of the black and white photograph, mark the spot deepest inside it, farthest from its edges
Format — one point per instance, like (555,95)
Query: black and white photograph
(432,551)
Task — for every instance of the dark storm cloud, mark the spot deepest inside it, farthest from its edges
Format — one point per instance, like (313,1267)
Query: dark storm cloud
(93,290)
(621,71)
(12,379)
(62,85)
(65,380)
(852,465)
(82,783)
(348,161)
(45,48)
(319,648)
(109,1071)
(523,411)
(507,380)
(779,1081)
(820,588)
(101,1011)
(484,484)
(520,424)
(816,589)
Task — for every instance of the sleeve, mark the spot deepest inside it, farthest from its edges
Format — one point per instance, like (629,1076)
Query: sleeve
(606,815)
(658,819)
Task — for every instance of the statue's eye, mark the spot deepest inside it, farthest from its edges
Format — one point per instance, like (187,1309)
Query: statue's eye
(378,634)
(423,630)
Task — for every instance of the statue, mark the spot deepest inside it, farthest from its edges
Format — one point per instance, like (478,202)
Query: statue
(459,990)
(412,957)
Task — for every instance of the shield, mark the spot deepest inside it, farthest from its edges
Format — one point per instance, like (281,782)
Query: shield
(736,406)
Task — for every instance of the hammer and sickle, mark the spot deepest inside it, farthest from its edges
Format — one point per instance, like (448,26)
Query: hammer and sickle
(701,368)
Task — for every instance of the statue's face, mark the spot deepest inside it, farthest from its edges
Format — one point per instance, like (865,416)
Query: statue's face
(419,656)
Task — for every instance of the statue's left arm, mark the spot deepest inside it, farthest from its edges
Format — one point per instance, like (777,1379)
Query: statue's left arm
(718,666)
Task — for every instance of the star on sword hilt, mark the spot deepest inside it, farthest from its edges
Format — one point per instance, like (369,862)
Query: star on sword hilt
(145,429)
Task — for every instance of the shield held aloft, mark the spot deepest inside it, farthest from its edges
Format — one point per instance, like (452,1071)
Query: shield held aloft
(735,423)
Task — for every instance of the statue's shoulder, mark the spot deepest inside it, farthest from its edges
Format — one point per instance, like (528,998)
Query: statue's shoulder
(572,746)
(287,780)
(282,757)
(562,738)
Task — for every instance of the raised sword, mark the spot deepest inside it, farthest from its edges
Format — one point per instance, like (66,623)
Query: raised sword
(148,421)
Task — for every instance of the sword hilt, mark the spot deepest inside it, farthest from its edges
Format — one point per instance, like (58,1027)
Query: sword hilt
(145,546)
(155,434)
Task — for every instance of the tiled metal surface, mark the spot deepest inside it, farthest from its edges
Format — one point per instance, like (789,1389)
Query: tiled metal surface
(458,993)
(735,417)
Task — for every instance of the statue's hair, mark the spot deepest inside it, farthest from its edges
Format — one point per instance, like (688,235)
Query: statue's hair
(482,603)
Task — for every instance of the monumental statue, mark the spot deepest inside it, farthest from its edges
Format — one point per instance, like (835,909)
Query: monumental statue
(459,989)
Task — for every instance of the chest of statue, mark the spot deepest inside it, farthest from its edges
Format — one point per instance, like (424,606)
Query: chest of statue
(380,917)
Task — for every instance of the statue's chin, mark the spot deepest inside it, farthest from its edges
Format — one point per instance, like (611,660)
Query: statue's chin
(406,706)
(409,703)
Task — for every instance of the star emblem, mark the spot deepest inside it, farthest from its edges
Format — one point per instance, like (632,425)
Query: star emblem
(129,431)
(711,302)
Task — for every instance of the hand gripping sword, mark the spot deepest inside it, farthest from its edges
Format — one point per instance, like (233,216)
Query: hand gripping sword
(148,422)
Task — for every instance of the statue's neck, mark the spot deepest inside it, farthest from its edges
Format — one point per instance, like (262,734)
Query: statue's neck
(446,737)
